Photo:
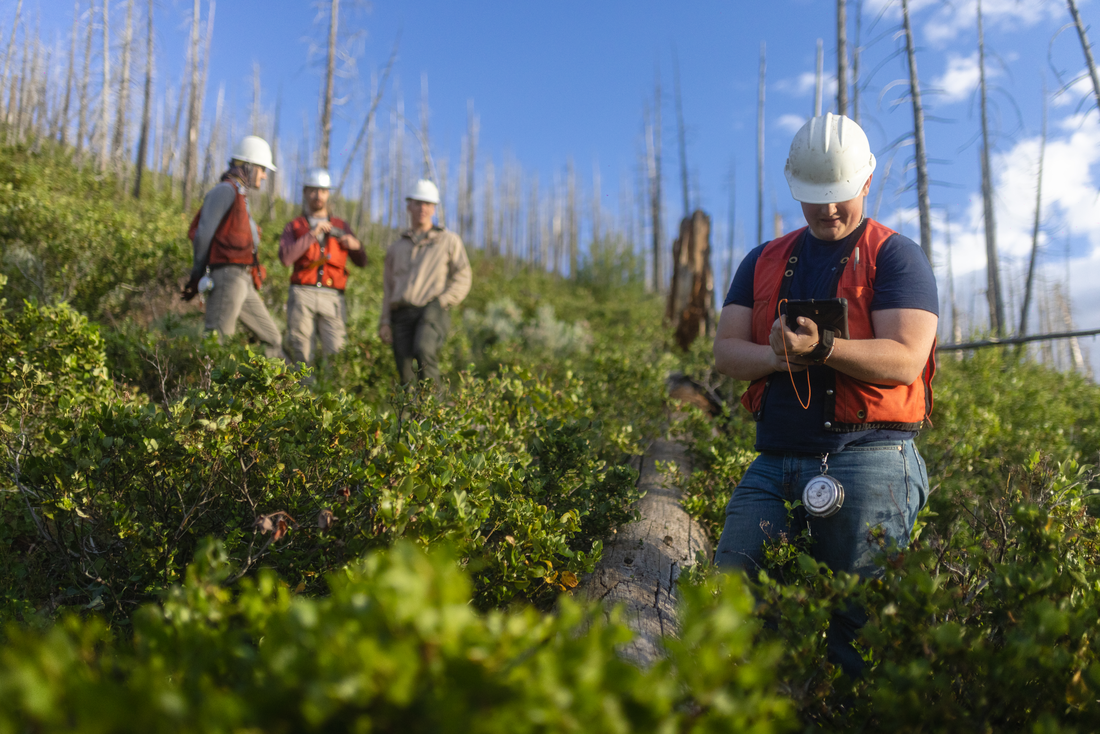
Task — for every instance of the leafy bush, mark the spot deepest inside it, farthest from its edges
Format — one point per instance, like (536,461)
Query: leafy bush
(394,646)
(119,494)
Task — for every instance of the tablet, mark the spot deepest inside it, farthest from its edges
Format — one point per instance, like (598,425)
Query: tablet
(827,313)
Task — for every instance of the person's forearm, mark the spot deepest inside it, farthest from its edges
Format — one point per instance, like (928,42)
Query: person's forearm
(358,257)
(291,248)
(458,287)
(878,361)
(744,360)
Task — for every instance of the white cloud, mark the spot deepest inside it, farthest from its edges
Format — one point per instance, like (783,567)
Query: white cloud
(805,84)
(961,78)
(790,123)
(948,20)
(1071,213)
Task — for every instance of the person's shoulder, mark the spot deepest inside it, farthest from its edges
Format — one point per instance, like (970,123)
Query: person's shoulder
(296,224)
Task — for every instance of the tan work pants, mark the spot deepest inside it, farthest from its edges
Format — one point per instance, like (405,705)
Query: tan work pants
(313,311)
(235,298)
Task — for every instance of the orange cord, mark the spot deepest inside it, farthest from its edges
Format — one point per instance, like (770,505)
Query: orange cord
(809,393)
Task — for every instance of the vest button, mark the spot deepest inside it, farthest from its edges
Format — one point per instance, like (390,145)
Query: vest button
(861,414)
(830,392)
(828,424)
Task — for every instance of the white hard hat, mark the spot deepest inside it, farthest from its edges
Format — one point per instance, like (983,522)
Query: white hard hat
(424,190)
(830,160)
(318,178)
(255,150)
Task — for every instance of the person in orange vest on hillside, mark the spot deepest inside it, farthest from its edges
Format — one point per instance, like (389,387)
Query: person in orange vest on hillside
(318,246)
(225,241)
(836,413)
(425,275)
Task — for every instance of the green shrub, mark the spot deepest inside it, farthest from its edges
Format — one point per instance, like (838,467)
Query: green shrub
(394,646)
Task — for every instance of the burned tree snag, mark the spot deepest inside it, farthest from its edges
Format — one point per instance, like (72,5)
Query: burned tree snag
(692,292)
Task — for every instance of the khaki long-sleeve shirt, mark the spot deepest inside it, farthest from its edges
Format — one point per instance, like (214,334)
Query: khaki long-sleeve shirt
(422,267)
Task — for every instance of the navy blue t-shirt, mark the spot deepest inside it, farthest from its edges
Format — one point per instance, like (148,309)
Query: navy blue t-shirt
(903,279)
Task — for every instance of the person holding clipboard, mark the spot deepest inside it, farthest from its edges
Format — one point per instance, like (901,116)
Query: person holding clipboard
(839,386)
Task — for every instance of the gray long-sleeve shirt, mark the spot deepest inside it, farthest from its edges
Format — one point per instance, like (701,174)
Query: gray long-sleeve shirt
(215,205)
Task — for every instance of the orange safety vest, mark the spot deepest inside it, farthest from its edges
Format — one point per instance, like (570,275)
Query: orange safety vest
(327,269)
(850,404)
(232,241)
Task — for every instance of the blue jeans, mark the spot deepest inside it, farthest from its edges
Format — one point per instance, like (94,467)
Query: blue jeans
(885,486)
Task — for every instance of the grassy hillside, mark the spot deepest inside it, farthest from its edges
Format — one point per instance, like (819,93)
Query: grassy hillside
(194,537)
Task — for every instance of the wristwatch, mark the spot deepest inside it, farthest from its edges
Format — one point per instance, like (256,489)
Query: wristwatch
(824,348)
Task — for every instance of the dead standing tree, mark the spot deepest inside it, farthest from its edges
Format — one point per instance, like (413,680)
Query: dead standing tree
(146,103)
(841,57)
(326,102)
(195,97)
(1035,228)
(924,206)
(86,72)
(105,95)
(1086,48)
(993,291)
(691,294)
(63,113)
(119,144)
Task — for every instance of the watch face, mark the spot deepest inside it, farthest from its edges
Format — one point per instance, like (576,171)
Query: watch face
(822,496)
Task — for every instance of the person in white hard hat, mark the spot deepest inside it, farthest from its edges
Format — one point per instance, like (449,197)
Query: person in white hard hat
(835,417)
(317,246)
(225,241)
(426,274)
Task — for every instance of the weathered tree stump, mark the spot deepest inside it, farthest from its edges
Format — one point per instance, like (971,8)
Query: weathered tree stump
(642,561)
(690,308)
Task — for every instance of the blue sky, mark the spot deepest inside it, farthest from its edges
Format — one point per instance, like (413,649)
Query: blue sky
(554,80)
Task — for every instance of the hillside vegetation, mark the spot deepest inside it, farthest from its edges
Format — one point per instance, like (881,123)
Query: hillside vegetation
(196,538)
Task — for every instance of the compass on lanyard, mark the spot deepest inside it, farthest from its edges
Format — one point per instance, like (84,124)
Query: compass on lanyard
(823,496)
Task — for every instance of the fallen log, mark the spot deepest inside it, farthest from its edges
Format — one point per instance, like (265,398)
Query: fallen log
(642,561)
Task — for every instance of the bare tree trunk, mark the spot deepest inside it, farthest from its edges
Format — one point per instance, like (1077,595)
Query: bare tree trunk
(63,117)
(956,327)
(366,190)
(597,213)
(208,171)
(1076,355)
(489,238)
(924,207)
(146,104)
(760,146)
(7,56)
(856,50)
(105,94)
(191,149)
(993,292)
(819,78)
(1084,47)
(425,141)
(842,57)
(730,236)
(533,222)
(681,136)
(655,192)
(691,291)
(376,97)
(330,71)
(82,121)
(119,144)
(572,225)
(1035,229)
(273,178)
(467,216)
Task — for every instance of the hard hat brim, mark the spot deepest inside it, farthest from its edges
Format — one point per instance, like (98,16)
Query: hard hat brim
(832,192)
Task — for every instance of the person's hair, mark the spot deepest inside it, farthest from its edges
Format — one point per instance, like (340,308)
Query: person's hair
(244,171)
